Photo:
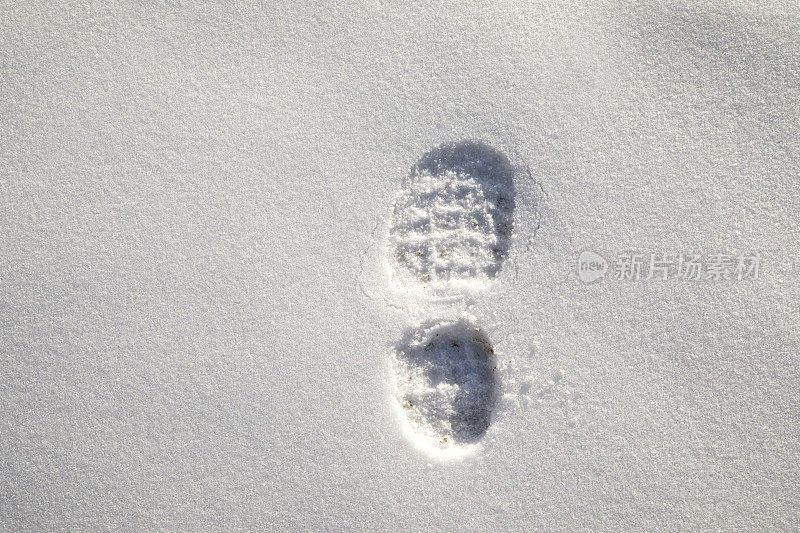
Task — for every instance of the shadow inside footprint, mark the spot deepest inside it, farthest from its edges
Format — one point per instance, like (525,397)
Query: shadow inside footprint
(446,375)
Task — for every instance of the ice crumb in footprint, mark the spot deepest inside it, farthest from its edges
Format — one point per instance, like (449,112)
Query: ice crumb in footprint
(451,227)
(446,384)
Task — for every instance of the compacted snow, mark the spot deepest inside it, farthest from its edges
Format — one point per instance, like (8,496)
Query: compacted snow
(446,374)
(453,223)
(400,266)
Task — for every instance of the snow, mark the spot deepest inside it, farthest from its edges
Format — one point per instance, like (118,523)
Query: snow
(201,318)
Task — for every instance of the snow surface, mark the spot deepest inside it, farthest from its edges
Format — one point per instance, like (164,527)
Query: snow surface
(198,319)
